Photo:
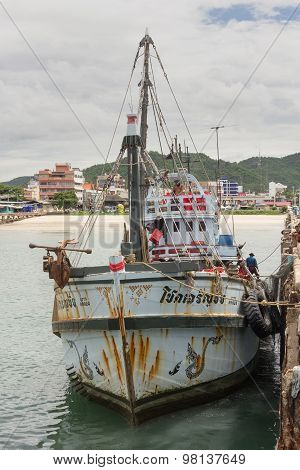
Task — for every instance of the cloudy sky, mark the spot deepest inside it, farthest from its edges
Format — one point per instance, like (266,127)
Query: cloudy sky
(209,49)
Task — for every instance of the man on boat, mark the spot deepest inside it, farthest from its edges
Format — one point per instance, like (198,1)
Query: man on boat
(252,264)
(178,188)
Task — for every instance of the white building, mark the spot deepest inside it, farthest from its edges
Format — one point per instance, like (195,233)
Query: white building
(275,189)
(32,192)
(78,184)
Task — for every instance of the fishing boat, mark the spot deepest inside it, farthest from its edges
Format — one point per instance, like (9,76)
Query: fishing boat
(162,325)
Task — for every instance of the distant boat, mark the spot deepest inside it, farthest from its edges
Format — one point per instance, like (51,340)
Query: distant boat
(162,325)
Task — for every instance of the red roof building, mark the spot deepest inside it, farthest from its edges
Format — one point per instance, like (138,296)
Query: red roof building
(62,178)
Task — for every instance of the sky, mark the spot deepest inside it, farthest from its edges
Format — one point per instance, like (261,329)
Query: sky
(209,49)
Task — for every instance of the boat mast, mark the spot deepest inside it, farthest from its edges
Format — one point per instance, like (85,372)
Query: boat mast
(132,142)
(146,83)
(136,144)
(145,42)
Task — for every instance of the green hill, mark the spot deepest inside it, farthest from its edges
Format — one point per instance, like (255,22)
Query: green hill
(20,181)
(253,174)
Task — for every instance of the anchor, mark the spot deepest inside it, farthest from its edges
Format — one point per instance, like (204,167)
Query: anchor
(59,269)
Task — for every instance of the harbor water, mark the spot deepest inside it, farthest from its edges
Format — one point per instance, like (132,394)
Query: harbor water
(38,409)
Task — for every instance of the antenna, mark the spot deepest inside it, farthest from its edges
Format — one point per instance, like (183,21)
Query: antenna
(219,192)
(187,159)
(216,128)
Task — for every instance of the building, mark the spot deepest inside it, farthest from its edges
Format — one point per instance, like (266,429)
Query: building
(276,189)
(78,185)
(32,192)
(113,198)
(117,186)
(89,196)
(62,178)
(229,188)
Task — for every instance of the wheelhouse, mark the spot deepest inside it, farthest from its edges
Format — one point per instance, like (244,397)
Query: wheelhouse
(181,220)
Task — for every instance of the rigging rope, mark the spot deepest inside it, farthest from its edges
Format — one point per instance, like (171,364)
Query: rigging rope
(93,214)
(265,259)
(100,202)
(183,170)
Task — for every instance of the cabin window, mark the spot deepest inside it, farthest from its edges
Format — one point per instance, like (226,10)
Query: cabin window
(175,201)
(176,226)
(202,226)
(189,226)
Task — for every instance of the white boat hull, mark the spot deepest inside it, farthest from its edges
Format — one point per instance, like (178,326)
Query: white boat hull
(163,349)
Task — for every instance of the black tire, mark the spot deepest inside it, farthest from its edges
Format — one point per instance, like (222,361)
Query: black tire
(258,316)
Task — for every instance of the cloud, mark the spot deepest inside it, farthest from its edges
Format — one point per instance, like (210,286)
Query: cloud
(236,12)
(88,47)
(251,12)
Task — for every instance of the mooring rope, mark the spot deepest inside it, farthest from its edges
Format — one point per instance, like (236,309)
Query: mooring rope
(270,254)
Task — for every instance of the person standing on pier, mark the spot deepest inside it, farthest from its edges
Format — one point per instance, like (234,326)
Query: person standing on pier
(252,264)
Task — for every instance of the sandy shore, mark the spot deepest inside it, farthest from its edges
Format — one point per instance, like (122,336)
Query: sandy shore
(58,223)
(62,223)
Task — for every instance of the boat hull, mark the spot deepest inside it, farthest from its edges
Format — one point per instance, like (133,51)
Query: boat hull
(171,367)
(159,356)
(170,401)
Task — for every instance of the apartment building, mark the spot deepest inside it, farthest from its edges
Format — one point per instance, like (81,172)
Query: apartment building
(62,178)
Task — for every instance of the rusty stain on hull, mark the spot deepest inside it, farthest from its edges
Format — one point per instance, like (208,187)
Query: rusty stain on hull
(108,344)
(55,311)
(155,366)
(126,353)
(198,363)
(118,361)
(147,347)
(132,351)
(143,352)
(112,310)
(106,361)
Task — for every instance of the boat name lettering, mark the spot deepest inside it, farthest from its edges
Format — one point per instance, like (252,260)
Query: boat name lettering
(84,301)
(70,302)
(172,295)
(67,302)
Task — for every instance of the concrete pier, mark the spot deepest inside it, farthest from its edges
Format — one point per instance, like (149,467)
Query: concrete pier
(8,218)
(289,291)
